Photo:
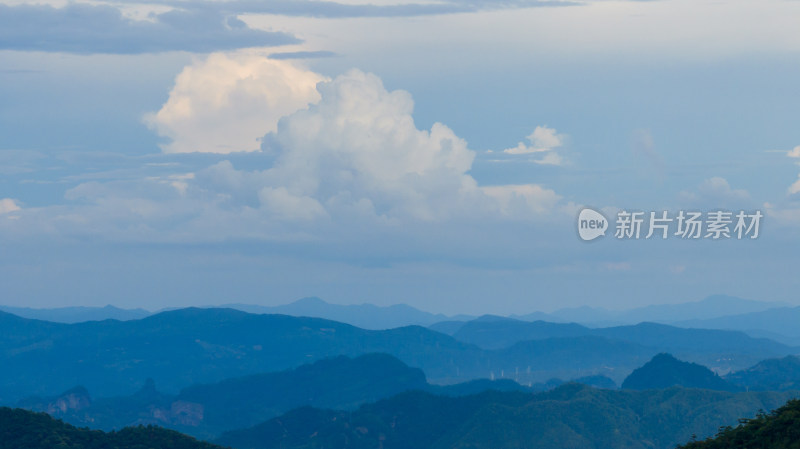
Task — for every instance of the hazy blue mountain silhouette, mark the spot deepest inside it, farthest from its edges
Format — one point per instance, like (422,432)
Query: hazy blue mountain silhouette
(77,314)
(769,375)
(708,308)
(783,321)
(190,346)
(699,345)
(365,316)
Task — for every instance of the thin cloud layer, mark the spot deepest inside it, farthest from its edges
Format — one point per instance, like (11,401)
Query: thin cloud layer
(89,29)
(331,9)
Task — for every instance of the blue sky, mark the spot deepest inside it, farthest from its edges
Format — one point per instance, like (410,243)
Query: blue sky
(432,153)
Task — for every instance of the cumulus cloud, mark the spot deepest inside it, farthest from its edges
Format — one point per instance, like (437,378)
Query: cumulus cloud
(227,102)
(89,28)
(8,205)
(360,139)
(357,153)
(350,163)
(794,153)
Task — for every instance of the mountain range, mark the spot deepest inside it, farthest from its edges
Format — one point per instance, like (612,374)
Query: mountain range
(77,314)
(774,320)
(365,316)
(190,346)
(722,350)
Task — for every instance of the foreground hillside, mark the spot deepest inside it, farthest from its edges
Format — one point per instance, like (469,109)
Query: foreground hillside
(777,430)
(21,429)
(573,416)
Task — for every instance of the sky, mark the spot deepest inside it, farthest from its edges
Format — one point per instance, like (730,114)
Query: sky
(435,153)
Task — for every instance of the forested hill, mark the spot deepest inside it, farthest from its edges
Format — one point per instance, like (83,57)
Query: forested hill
(777,430)
(572,416)
(21,429)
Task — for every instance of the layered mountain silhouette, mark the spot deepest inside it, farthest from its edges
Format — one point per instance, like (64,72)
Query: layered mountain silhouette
(780,323)
(722,350)
(77,314)
(365,316)
(191,346)
(711,307)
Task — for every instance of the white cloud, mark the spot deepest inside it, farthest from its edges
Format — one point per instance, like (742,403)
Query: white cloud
(228,101)
(795,154)
(786,214)
(290,207)
(357,154)
(716,192)
(350,164)
(542,140)
(550,159)
(8,205)
(720,186)
(795,187)
(521,199)
(360,141)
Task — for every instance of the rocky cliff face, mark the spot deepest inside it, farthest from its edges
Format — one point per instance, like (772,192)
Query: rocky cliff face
(70,401)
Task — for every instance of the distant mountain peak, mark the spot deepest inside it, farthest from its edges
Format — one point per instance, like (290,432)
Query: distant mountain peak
(311,301)
(664,371)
